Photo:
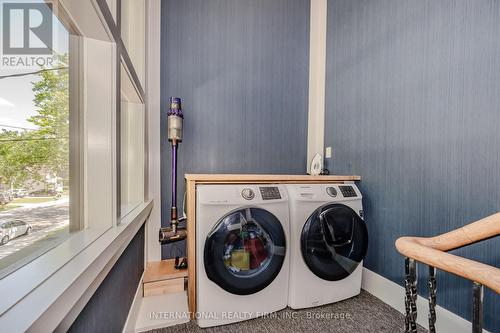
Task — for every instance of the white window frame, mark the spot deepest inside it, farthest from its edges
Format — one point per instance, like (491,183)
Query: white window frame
(47,293)
(129,97)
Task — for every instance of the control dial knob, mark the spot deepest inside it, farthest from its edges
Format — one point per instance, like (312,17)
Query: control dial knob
(331,191)
(248,194)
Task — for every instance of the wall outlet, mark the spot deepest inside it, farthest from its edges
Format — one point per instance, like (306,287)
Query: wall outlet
(328,152)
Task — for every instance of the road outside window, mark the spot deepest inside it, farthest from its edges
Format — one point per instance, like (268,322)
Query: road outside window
(34,133)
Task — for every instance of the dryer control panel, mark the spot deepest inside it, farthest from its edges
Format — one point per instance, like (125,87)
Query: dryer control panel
(348,191)
(270,193)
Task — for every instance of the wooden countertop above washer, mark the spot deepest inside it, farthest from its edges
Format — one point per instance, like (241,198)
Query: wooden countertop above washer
(266,178)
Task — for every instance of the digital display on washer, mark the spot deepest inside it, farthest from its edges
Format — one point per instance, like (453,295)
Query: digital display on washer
(270,193)
(348,191)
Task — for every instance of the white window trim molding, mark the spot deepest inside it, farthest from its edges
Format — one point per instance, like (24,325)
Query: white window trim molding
(153,110)
(317,80)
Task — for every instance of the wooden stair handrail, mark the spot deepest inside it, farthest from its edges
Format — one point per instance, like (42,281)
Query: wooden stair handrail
(431,251)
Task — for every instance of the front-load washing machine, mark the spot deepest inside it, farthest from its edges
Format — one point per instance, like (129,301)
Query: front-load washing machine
(241,248)
(328,241)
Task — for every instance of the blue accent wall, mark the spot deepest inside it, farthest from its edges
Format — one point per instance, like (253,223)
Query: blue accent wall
(108,308)
(241,69)
(413,105)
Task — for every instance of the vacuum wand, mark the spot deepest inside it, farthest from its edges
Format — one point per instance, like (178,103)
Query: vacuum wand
(173,209)
(174,233)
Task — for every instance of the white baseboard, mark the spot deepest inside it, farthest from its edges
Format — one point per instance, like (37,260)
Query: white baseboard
(133,313)
(393,294)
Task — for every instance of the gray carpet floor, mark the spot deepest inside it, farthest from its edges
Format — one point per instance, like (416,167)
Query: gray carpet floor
(363,313)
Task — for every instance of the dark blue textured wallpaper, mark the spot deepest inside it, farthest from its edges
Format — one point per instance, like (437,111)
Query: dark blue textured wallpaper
(108,308)
(413,105)
(241,69)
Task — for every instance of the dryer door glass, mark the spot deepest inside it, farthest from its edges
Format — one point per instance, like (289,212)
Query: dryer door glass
(245,250)
(334,241)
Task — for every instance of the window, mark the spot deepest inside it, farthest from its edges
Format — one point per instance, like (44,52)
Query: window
(132,110)
(112,4)
(34,136)
(133,27)
(91,159)
(131,145)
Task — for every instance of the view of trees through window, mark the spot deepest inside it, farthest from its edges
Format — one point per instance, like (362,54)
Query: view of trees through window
(34,157)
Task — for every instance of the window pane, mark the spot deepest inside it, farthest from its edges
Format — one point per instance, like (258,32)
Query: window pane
(132,147)
(112,7)
(34,141)
(133,28)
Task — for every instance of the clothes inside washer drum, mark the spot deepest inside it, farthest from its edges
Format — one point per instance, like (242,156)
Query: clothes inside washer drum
(245,250)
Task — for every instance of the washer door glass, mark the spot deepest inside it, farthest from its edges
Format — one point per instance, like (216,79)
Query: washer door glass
(334,241)
(245,250)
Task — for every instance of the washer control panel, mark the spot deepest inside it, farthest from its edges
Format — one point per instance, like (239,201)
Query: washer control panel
(348,191)
(247,193)
(270,193)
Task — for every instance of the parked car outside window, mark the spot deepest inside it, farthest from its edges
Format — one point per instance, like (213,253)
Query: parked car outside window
(4,199)
(12,229)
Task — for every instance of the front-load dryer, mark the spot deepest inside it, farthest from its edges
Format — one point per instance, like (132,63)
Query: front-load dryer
(328,241)
(241,247)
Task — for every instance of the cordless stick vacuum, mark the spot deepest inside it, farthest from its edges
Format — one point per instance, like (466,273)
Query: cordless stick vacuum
(174,233)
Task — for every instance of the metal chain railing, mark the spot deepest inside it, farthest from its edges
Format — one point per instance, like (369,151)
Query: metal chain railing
(432,299)
(411,295)
(411,300)
(433,252)
(477,307)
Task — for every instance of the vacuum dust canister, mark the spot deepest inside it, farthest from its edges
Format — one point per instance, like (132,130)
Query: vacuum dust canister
(175,118)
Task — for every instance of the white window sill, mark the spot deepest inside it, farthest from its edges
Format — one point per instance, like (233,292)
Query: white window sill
(39,296)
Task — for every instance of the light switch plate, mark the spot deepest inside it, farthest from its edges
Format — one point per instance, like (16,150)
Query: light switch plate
(328,152)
